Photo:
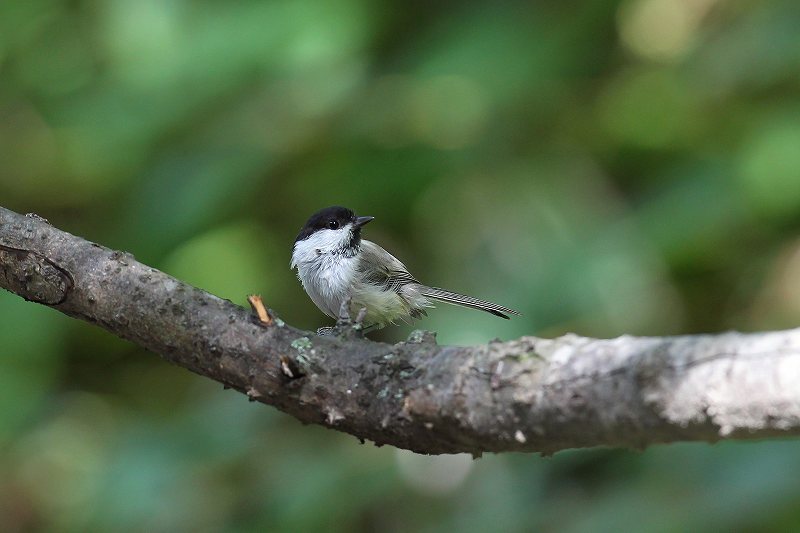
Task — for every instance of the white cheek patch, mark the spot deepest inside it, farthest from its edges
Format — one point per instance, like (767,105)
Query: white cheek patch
(322,242)
(309,249)
(327,240)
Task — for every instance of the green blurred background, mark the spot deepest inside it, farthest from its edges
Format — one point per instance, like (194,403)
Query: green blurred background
(604,167)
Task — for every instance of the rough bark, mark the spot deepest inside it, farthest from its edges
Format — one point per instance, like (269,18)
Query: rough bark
(527,395)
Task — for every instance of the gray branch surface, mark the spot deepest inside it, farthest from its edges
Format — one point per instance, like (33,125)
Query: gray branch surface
(527,395)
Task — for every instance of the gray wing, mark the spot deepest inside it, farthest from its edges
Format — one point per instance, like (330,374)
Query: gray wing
(381,268)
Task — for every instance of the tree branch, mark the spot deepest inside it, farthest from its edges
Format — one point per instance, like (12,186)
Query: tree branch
(526,395)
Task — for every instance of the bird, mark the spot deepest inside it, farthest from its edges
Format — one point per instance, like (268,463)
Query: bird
(344,274)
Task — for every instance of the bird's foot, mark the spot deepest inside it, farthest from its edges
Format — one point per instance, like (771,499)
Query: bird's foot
(346,325)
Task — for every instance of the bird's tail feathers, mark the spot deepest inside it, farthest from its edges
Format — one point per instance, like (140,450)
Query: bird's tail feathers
(467,301)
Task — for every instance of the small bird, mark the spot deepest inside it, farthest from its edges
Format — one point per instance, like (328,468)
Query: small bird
(336,266)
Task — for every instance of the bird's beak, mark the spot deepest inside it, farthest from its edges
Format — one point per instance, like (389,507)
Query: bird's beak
(360,221)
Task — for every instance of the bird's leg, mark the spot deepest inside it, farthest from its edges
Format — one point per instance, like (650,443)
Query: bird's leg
(344,318)
(362,314)
(346,325)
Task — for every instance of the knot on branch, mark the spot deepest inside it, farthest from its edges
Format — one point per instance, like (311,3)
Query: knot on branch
(33,276)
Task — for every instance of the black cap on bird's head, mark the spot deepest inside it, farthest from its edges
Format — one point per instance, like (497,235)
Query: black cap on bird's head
(334,218)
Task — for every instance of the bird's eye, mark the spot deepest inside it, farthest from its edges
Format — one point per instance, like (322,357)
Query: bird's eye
(333,224)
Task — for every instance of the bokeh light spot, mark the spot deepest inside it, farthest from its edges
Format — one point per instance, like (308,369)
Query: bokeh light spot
(770,169)
(660,29)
